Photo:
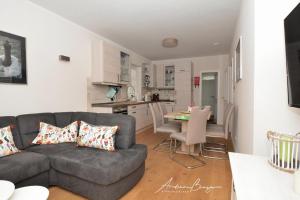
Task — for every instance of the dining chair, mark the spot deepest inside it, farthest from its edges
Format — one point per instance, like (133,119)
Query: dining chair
(195,135)
(221,132)
(163,111)
(159,126)
(209,109)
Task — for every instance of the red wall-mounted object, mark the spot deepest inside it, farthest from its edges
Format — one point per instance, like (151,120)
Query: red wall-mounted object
(197,81)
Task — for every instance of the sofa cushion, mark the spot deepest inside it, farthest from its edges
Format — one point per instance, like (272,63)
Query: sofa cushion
(63,119)
(98,166)
(101,137)
(11,121)
(52,149)
(29,126)
(20,166)
(7,144)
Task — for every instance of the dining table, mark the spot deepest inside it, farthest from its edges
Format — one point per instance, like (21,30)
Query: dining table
(183,118)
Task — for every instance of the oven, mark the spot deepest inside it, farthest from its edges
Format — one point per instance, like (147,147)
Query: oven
(120,110)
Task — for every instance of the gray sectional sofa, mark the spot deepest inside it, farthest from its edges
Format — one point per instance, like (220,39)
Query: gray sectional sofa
(92,173)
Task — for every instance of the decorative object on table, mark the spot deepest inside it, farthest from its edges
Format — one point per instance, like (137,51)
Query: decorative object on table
(297,181)
(12,58)
(238,61)
(7,188)
(285,151)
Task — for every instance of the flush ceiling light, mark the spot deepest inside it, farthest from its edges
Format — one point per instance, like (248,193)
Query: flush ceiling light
(170,42)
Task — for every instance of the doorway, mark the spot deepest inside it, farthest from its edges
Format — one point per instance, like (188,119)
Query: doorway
(209,93)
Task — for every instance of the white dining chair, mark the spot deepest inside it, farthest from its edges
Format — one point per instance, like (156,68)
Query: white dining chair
(159,126)
(195,135)
(221,132)
(163,111)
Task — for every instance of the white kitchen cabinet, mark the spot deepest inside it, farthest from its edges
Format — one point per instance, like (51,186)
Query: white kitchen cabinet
(141,114)
(149,75)
(160,78)
(106,65)
(183,86)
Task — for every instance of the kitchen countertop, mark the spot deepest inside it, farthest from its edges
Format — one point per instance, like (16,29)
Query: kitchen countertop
(125,103)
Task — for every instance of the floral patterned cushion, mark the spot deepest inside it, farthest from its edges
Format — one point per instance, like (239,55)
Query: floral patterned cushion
(101,137)
(50,134)
(7,144)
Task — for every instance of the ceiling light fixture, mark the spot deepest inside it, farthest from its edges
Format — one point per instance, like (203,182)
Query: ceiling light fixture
(170,42)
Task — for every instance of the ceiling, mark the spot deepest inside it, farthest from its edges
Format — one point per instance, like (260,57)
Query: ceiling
(203,27)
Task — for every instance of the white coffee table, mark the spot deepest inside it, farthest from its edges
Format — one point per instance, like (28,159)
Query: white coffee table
(6,189)
(30,193)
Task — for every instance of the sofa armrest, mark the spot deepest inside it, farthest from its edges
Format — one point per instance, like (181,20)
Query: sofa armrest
(125,136)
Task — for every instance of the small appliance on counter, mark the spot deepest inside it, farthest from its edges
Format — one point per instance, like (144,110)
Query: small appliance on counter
(155,97)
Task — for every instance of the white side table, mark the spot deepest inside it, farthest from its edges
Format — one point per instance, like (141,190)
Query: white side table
(6,189)
(30,192)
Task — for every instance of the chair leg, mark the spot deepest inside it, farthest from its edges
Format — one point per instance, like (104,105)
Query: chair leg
(223,150)
(165,142)
(201,163)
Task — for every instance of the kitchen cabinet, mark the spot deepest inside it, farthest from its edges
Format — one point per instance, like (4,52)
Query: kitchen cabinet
(149,75)
(169,73)
(125,68)
(106,63)
(160,79)
(142,115)
(183,86)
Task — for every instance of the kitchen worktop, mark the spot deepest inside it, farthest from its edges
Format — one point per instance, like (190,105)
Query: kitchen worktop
(125,103)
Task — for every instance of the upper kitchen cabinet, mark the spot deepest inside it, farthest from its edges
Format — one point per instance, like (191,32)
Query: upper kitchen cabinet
(165,76)
(106,63)
(160,78)
(169,72)
(149,75)
(125,68)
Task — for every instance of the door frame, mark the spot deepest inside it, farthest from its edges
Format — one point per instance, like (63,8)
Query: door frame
(218,93)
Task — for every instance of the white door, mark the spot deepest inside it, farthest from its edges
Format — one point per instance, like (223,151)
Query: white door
(209,92)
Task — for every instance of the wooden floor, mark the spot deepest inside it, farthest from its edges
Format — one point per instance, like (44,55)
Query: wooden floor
(160,169)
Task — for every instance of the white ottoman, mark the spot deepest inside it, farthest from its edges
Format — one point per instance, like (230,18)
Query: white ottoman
(6,189)
(30,193)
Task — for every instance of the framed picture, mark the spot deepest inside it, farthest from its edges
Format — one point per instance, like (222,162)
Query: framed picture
(12,59)
(238,61)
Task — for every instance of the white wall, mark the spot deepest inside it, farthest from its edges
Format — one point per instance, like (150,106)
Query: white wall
(52,85)
(271,110)
(243,93)
(205,64)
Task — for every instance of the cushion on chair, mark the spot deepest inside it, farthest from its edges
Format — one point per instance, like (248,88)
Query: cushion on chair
(179,136)
(20,166)
(99,166)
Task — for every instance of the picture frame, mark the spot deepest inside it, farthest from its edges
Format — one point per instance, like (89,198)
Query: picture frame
(238,61)
(12,58)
